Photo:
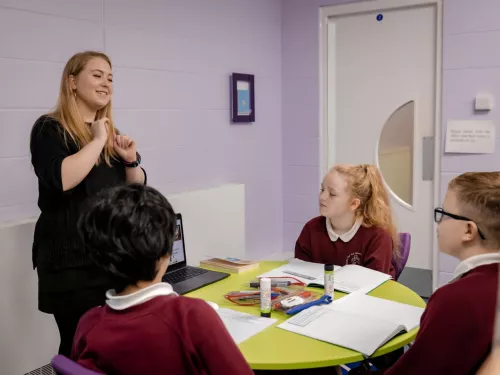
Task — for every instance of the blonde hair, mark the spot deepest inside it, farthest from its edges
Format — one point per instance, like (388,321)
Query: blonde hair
(478,194)
(365,183)
(66,110)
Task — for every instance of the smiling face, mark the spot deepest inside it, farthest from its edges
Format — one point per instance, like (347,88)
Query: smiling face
(93,86)
(335,201)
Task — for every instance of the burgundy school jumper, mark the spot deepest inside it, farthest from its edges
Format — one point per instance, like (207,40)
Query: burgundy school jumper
(370,247)
(168,334)
(456,329)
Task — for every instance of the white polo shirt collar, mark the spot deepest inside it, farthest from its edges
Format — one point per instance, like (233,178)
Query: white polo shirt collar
(347,236)
(117,302)
(473,262)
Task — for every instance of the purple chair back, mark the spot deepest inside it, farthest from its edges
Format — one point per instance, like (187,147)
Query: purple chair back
(404,250)
(65,366)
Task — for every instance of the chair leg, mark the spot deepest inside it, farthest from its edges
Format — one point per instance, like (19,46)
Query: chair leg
(345,368)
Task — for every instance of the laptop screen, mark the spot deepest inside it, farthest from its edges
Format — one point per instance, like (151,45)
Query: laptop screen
(178,254)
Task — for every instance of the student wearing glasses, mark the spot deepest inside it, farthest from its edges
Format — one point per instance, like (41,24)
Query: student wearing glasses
(456,329)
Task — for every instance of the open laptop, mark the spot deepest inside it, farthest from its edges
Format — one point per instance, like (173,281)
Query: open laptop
(182,277)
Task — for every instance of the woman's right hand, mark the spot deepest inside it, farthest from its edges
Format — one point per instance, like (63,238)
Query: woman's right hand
(100,129)
(77,166)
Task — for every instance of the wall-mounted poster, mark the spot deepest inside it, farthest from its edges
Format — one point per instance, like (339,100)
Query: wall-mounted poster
(242,98)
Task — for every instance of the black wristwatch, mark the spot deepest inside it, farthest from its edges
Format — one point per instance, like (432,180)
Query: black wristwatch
(134,164)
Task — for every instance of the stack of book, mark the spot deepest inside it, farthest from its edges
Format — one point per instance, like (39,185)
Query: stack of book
(233,265)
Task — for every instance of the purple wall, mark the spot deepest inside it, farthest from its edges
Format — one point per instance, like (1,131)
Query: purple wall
(471,64)
(300,114)
(172,61)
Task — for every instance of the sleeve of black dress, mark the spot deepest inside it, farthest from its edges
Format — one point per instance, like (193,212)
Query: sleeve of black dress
(145,176)
(48,150)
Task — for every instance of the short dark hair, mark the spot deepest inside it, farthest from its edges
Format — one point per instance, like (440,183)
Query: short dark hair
(126,230)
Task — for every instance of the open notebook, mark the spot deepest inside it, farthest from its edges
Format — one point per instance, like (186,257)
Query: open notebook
(358,322)
(347,279)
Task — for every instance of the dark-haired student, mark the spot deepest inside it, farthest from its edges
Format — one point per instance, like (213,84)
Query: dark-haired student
(456,329)
(145,327)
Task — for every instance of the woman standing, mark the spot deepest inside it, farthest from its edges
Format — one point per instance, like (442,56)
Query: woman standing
(76,152)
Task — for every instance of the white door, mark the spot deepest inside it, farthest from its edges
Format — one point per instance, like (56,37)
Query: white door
(381,108)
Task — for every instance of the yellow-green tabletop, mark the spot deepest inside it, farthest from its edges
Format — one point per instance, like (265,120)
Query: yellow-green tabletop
(277,349)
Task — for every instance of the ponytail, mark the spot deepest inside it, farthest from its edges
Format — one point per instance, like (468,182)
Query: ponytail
(377,210)
(367,185)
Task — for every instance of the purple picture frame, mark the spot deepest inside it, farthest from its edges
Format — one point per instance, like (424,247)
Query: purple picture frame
(242,98)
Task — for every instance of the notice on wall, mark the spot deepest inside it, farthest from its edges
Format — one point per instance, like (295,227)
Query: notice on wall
(470,137)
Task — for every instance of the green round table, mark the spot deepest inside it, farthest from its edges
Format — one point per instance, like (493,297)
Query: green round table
(277,349)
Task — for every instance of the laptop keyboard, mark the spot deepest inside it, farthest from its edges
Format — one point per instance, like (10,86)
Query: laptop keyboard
(183,274)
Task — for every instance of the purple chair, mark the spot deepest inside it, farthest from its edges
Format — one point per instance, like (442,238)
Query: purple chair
(65,366)
(404,249)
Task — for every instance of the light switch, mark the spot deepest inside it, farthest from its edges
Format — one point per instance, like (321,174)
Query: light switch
(484,102)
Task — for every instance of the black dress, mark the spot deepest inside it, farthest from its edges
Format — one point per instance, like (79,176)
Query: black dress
(68,281)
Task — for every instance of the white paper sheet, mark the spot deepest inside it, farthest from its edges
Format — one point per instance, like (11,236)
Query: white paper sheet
(306,272)
(470,137)
(242,326)
(354,278)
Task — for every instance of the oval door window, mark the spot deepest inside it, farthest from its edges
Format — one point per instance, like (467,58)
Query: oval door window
(395,152)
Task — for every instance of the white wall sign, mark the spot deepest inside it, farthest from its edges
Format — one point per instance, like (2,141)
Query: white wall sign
(470,137)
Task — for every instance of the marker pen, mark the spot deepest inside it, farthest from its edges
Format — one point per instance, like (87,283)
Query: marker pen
(274,284)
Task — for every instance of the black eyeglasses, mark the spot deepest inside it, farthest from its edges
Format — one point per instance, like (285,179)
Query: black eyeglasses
(439,213)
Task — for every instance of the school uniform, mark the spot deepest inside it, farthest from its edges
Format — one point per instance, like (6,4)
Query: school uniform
(155,331)
(369,247)
(456,329)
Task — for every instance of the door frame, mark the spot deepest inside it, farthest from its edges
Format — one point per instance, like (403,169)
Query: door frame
(327,12)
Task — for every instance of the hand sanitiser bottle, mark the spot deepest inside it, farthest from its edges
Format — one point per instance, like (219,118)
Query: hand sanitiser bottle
(329,285)
(265,297)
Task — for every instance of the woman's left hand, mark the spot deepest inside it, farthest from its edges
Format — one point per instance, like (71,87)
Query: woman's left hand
(125,147)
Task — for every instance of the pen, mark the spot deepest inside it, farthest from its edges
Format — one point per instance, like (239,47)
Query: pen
(299,275)
(275,284)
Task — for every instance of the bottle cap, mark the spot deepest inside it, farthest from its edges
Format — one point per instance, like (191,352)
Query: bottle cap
(328,267)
